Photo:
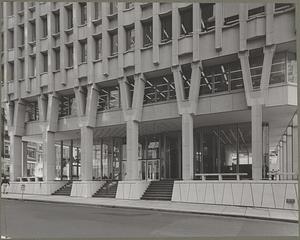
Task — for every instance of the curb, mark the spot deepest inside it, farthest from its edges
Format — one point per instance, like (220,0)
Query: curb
(160,209)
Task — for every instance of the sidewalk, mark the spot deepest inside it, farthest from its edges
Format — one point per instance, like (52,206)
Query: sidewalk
(247,212)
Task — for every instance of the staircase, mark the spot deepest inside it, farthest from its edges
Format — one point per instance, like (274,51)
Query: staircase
(159,190)
(65,190)
(108,190)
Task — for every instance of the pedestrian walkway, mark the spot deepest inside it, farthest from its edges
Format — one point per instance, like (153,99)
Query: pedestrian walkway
(248,212)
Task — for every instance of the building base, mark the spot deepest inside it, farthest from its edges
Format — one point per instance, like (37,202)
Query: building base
(275,194)
(85,188)
(131,189)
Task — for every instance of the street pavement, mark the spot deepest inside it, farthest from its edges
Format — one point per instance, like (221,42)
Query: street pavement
(30,219)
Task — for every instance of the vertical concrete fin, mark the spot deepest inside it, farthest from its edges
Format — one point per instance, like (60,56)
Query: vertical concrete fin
(90,42)
(125,96)
(266,70)
(156,32)
(19,118)
(195,86)
(80,100)
(244,58)
(138,37)
(219,25)
(269,23)
(175,33)
(105,38)
(196,30)
(243,15)
(121,37)
(91,105)
(178,87)
(42,103)
(52,112)
(138,96)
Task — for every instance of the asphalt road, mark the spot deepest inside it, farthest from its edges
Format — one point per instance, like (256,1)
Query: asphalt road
(28,219)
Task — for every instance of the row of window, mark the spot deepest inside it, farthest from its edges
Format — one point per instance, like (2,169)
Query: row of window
(214,79)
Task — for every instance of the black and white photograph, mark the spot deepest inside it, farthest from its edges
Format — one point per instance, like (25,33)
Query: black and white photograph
(149,119)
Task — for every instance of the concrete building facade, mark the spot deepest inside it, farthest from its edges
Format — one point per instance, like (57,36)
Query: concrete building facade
(138,92)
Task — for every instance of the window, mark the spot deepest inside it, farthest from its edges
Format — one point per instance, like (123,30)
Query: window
(56,22)
(83,17)
(44,30)
(186,17)
(67,106)
(2,73)
(83,51)
(21,73)
(147,33)
(10,38)
(33,66)
(97,10)
(70,55)
(159,89)
(98,47)
(22,36)
(2,42)
(113,7)
(208,19)
(113,43)
(109,98)
(166,28)
(21,6)
(57,58)
(33,31)
(69,17)
(44,61)
(282,6)
(256,11)
(10,10)
(130,34)
(32,111)
(11,71)
(129,5)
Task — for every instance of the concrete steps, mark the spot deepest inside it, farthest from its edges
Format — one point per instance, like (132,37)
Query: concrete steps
(108,190)
(159,190)
(64,190)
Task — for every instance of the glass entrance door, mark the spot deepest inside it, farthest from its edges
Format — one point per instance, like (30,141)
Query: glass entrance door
(153,170)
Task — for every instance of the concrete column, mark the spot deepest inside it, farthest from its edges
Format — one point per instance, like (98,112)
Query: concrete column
(284,155)
(15,169)
(256,125)
(289,151)
(24,159)
(280,157)
(295,145)
(187,146)
(49,155)
(156,32)
(86,153)
(132,135)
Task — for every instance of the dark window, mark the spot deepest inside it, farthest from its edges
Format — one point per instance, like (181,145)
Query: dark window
(45,61)
(256,11)
(83,52)
(21,6)
(231,20)
(11,70)
(97,10)
(282,6)
(33,31)
(113,43)
(10,8)
(56,22)
(109,98)
(22,35)
(83,17)
(67,106)
(186,17)
(159,89)
(256,61)
(57,58)
(207,14)
(69,17)
(11,38)
(147,33)
(166,28)
(70,55)
(130,38)
(33,66)
(113,7)
(129,5)
(32,111)
(44,27)
(21,62)
(98,47)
